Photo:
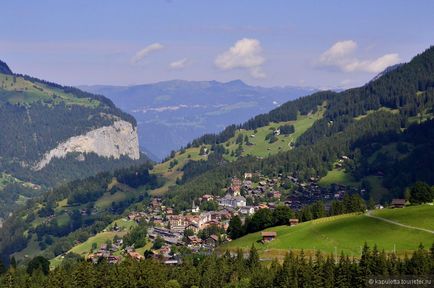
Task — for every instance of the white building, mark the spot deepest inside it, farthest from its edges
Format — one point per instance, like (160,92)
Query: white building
(232,201)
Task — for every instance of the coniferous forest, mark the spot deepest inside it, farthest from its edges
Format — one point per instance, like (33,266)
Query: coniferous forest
(231,270)
(332,189)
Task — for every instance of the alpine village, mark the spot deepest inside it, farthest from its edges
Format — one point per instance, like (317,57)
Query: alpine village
(331,187)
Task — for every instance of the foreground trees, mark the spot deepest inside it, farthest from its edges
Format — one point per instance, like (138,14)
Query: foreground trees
(296,270)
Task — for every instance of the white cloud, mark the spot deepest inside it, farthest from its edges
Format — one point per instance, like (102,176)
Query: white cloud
(146,51)
(179,64)
(341,56)
(245,54)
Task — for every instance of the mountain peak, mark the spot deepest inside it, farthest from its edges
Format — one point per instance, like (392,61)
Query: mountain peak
(237,83)
(4,68)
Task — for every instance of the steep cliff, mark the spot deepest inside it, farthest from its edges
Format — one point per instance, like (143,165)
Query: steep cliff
(109,141)
(52,134)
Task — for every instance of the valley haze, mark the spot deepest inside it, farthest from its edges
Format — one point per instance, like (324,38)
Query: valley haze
(229,144)
(171,113)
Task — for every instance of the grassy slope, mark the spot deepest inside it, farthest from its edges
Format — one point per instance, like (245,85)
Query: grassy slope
(62,211)
(346,232)
(338,176)
(29,92)
(394,111)
(418,216)
(171,174)
(262,147)
(100,238)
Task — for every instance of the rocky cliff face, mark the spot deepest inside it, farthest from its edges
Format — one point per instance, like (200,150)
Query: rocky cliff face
(108,141)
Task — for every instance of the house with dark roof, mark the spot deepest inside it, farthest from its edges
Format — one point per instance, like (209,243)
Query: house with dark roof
(268,236)
(398,203)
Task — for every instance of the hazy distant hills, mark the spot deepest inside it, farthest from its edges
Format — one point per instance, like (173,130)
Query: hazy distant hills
(170,114)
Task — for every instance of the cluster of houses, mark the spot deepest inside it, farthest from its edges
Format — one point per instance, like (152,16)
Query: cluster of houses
(184,229)
(107,251)
(308,192)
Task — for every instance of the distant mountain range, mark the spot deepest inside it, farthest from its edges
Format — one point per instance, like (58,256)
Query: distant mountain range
(170,114)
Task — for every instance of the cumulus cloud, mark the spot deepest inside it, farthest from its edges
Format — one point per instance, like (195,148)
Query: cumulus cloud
(146,51)
(179,64)
(341,56)
(245,54)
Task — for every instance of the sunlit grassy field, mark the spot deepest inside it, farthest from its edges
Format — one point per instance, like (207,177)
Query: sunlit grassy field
(346,233)
(418,216)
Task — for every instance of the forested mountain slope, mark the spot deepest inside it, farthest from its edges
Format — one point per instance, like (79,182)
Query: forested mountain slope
(384,129)
(52,134)
(356,123)
(53,223)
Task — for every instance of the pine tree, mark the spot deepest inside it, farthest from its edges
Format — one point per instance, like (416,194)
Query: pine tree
(83,276)
(318,277)
(343,279)
(2,267)
(283,277)
(253,260)
(13,262)
(328,273)
(419,262)
(365,261)
(393,264)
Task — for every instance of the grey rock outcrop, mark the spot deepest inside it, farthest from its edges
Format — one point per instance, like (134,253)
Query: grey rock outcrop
(108,141)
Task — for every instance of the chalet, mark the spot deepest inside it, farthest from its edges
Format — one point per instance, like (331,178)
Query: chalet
(247,184)
(212,240)
(210,223)
(169,211)
(248,176)
(272,205)
(193,227)
(136,255)
(236,182)
(274,194)
(103,247)
(193,240)
(174,260)
(263,206)
(398,203)
(155,203)
(268,236)
(113,259)
(247,210)
(207,197)
(293,221)
(203,219)
(222,214)
(157,220)
(177,223)
(165,250)
(171,241)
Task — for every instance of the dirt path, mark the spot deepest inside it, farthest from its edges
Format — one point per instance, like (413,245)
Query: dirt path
(397,223)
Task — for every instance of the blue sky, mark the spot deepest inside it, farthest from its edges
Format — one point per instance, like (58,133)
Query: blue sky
(304,43)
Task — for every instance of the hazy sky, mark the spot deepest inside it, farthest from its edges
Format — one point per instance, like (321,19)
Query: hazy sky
(304,43)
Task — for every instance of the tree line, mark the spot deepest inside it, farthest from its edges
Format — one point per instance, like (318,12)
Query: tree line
(296,270)
(265,218)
